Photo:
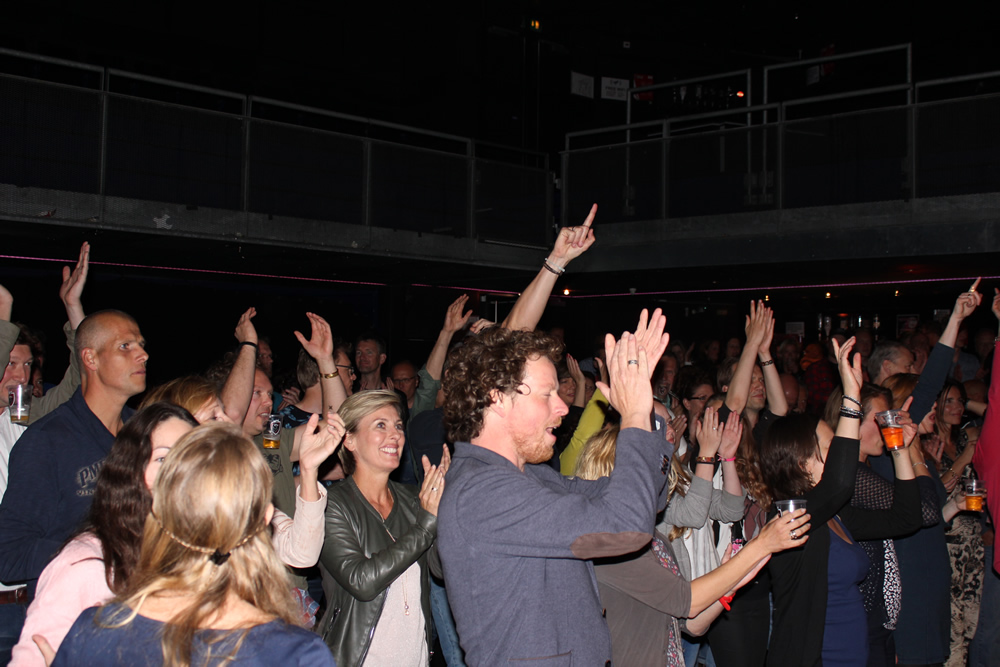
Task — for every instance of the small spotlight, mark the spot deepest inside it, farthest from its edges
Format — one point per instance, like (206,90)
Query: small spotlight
(827,295)
(566,292)
(739,93)
(897,292)
(535,25)
(767,298)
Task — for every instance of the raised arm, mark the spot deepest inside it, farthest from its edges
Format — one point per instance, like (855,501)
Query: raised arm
(776,401)
(570,244)
(964,305)
(73,282)
(70,293)
(578,379)
(739,387)
(454,320)
(319,346)
(298,542)
(237,392)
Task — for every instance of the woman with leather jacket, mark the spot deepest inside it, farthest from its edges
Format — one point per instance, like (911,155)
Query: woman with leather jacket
(378,534)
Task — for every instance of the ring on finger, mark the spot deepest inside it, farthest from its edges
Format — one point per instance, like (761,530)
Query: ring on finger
(434,488)
(633,362)
(794,535)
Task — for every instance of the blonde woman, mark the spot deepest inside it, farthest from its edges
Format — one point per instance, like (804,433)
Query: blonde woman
(378,533)
(208,588)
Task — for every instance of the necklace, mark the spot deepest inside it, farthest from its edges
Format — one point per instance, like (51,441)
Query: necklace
(406,603)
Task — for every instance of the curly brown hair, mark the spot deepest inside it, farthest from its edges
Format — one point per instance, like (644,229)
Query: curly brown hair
(493,360)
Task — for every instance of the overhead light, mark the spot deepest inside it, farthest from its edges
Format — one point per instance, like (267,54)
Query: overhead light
(566,292)
(827,295)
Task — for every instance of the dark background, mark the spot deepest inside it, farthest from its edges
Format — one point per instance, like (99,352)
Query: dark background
(473,70)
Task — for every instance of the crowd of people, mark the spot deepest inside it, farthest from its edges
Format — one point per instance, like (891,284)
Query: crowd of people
(646,503)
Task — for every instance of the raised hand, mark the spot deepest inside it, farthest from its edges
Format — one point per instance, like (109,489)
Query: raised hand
(850,372)
(707,432)
(320,343)
(909,428)
(650,337)
(765,344)
(245,330)
(630,391)
(454,320)
(967,301)
(433,486)
(573,241)
(317,445)
(679,424)
(756,324)
(73,282)
(731,435)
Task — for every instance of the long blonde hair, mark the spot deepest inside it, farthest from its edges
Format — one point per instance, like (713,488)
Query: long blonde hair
(598,460)
(208,535)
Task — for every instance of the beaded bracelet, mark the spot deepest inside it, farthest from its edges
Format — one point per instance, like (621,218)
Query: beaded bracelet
(769,362)
(558,270)
(705,459)
(851,414)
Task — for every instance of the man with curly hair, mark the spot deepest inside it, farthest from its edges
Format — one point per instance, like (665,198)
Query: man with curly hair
(514,538)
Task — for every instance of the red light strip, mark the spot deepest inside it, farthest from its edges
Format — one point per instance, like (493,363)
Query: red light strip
(179,268)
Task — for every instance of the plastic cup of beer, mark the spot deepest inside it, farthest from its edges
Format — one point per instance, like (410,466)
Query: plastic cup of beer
(892,430)
(789,505)
(19,400)
(272,432)
(975,490)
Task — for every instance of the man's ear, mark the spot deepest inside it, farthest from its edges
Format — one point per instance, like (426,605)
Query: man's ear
(381,359)
(497,404)
(725,389)
(88,357)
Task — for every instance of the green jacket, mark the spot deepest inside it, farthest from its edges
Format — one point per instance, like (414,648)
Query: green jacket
(360,560)
(58,394)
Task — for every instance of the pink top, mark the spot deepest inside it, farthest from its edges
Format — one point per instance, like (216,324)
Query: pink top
(986,460)
(299,542)
(72,582)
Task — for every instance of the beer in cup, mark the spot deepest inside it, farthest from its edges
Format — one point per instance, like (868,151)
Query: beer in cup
(975,489)
(892,430)
(272,432)
(19,400)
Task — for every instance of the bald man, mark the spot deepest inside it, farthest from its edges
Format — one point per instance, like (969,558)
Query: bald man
(54,465)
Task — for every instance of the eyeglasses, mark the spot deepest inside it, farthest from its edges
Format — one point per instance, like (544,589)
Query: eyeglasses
(349,369)
(699,398)
(403,380)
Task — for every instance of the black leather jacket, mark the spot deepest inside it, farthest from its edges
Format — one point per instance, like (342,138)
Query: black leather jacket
(360,560)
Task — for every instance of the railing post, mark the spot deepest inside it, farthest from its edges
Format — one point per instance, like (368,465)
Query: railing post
(102,176)
(470,153)
(664,171)
(779,181)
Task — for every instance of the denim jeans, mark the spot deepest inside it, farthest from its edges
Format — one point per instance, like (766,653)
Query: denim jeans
(697,650)
(445,624)
(11,622)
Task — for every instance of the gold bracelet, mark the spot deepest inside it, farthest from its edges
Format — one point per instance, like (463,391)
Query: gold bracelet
(330,376)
